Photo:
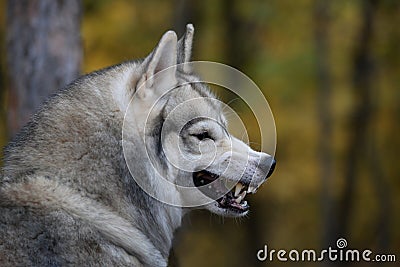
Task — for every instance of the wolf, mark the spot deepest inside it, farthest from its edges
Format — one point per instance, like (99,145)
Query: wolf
(71,189)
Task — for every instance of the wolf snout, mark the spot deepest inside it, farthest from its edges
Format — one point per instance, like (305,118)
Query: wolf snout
(268,163)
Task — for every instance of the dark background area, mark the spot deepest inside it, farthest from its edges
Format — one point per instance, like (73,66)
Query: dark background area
(330,71)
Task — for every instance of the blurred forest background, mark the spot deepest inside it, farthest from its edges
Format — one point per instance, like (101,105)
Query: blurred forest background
(329,69)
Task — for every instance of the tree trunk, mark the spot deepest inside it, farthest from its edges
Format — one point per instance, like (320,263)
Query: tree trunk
(43,53)
(237,51)
(361,114)
(324,85)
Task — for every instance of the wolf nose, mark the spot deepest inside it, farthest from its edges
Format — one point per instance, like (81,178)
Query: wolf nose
(272,168)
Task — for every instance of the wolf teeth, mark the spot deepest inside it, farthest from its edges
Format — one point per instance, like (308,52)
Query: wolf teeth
(238,189)
(251,189)
(240,197)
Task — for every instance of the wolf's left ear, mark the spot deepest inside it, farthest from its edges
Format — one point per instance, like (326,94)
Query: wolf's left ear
(185,47)
(163,58)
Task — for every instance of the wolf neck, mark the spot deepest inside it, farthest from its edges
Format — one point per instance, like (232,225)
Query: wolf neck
(158,223)
(156,220)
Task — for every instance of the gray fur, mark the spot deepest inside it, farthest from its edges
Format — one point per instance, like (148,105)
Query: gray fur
(67,197)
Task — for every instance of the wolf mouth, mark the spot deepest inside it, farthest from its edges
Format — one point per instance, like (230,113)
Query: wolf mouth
(209,184)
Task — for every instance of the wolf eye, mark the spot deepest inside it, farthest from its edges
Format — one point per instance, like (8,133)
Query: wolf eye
(202,136)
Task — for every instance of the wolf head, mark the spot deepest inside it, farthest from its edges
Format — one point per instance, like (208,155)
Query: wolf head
(193,158)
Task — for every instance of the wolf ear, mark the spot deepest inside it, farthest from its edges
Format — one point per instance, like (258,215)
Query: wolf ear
(164,56)
(185,48)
